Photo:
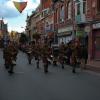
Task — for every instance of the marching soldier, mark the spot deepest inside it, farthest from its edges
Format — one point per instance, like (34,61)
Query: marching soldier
(76,55)
(61,54)
(45,57)
(6,57)
(37,54)
(29,53)
(12,55)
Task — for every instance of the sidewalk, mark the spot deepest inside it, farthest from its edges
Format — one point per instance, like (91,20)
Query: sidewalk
(93,66)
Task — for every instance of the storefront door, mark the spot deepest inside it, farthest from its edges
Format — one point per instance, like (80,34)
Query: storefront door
(97,48)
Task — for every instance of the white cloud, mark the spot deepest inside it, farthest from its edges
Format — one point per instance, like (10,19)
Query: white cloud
(32,5)
(18,29)
(10,4)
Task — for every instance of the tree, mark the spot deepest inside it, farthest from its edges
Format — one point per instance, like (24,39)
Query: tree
(36,36)
(23,38)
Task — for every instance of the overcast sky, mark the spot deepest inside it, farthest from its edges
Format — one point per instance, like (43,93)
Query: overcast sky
(11,15)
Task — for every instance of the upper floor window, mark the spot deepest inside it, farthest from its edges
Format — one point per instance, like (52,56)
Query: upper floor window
(78,8)
(56,16)
(84,6)
(62,13)
(98,6)
(69,10)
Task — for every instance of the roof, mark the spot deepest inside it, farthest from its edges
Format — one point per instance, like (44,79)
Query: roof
(1,21)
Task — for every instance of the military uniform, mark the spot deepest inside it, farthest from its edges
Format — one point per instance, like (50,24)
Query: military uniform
(45,55)
(12,52)
(7,58)
(61,54)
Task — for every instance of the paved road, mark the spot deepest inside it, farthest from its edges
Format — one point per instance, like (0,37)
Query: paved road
(29,83)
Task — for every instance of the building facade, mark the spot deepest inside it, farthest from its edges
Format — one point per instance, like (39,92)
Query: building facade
(41,20)
(64,21)
(93,18)
(4,36)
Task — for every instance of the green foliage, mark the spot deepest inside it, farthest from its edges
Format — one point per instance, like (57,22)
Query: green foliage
(23,38)
(36,36)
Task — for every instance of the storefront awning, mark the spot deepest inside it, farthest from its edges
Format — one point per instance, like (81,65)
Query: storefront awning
(64,34)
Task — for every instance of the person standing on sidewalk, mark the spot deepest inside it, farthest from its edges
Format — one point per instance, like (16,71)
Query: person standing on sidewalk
(29,53)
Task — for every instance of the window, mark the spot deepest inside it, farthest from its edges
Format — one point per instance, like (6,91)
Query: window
(62,14)
(78,9)
(98,6)
(56,16)
(84,6)
(46,12)
(69,10)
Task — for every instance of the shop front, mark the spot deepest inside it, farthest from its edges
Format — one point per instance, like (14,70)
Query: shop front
(65,35)
(97,47)
(94,48)
(82,34)
(96,42)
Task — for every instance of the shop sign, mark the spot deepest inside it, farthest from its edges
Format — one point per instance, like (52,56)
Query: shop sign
(96,26)
(62,30)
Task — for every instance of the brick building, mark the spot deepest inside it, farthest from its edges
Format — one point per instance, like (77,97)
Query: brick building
(3,29)
(93,18)
(71,19)
(4,36)
(32,26)
(47,19)
(63,21)
(41,21)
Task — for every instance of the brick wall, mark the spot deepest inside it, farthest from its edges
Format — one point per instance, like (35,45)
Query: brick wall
(92,10)
(46,3)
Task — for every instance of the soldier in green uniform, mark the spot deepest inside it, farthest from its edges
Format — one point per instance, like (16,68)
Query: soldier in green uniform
(6,57)
(61,54)
(12,56)
(45,57)
(76,55)
(29,50)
